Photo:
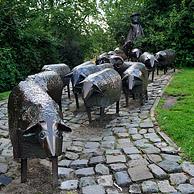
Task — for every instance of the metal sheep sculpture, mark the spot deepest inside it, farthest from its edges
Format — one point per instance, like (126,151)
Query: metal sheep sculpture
(135,54)
(101,89)
(119,65)
(62,70)
(150,62)
(105,65)
(51,83)
(165,59)
(35,126)
(103,58)
(135,81)
(78,74)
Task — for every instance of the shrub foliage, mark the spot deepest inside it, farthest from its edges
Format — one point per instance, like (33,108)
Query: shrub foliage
(35,33)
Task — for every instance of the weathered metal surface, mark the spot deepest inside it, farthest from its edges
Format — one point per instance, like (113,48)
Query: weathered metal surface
(119,65)
(165,59)
(105,65)
(148,59)
(54,160)
(61,69)
(136,70)
(150,62)
(50,82)
(102,88)
(135,54)
(24,168)
(80,73)
(35,122)
(135,81)
(103,58)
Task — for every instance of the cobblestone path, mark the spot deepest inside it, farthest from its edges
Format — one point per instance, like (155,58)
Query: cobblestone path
(125,153)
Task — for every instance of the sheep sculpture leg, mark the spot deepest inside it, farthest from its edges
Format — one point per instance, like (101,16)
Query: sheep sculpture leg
(102,111)
(174,68)
(55,170)
(127,99)
(117,107)
(76,100)
(88,113)
(23,170)
(165,70)
(157,71)
(153,74)
(146,95)
(68,91)
(141,98)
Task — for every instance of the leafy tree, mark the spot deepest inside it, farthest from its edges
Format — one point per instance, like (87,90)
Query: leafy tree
(39,32)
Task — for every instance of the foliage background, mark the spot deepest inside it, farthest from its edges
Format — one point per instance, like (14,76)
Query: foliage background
(38,32)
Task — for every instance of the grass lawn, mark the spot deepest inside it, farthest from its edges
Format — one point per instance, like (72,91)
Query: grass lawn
(4,95)
(178,120)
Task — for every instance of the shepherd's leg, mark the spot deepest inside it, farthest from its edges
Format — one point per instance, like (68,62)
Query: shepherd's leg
(23,170)
(55,170)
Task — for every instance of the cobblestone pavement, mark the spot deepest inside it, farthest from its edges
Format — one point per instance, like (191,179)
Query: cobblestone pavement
(125,153)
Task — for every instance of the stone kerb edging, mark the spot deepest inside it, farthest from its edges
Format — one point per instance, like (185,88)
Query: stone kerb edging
(152,115)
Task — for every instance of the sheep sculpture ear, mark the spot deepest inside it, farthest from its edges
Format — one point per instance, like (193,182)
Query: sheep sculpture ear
(97,89)
(87,87)
(69,75)
(155,59)
(62,127)
(32,130)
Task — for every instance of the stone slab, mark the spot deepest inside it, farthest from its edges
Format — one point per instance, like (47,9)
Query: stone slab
(93,189)
(69,185)
(113,159)
(140,173)
(122,178)
(85,172)
(105,180)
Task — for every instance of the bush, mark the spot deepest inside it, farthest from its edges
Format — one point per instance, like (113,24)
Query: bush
(8,71)
(70,53)
(33,51)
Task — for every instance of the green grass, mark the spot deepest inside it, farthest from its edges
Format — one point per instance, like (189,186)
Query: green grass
(4,95)
(178,121)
